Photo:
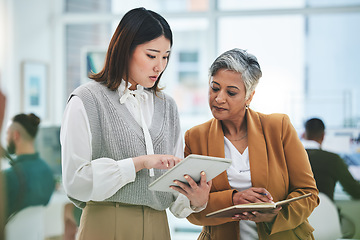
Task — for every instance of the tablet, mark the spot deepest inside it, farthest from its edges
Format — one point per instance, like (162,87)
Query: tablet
(192,165)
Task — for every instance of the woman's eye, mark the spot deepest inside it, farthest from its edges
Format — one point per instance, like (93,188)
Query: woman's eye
(215,89)
(231,93)
(150,56)
(167,57)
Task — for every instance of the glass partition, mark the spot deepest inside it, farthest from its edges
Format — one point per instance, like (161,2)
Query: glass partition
(278,44)
(308,57)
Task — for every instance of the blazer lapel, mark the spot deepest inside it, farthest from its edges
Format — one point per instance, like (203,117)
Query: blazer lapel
(216,139)
(216,148)
(257,150)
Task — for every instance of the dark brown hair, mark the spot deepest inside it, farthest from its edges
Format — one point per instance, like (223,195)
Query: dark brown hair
(138,26)
(314,128)
(30,122)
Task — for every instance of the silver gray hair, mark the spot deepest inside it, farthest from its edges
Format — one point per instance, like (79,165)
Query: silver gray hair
(240,61)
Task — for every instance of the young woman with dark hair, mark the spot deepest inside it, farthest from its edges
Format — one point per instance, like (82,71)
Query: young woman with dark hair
(120,132)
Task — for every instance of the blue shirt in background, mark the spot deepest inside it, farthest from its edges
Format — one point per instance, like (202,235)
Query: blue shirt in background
(29,182)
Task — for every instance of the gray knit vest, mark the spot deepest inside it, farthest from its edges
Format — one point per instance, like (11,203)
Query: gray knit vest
(117,135)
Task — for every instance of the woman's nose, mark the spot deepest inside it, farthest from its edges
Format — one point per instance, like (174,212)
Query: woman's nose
(160,66)
(156,69)
(219,98)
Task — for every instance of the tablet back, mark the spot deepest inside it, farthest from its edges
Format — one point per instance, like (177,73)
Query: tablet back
(192,165)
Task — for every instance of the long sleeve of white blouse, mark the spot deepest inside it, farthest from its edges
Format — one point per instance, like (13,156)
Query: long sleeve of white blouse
(84,179)
(100,178)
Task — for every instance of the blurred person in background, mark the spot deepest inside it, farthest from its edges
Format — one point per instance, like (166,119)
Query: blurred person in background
(269,163)
(329,168)
(2,189)
(29,181)
(2,109)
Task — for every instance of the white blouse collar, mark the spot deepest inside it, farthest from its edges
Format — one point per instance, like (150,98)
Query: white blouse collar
(125,93)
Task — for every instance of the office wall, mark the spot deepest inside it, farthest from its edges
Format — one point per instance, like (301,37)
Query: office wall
(4,48)
(333,55)
(29,32)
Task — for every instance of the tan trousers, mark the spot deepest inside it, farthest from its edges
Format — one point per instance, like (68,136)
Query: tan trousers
(117,221)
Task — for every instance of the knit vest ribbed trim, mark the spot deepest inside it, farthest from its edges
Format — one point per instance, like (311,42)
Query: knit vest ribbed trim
(117,135)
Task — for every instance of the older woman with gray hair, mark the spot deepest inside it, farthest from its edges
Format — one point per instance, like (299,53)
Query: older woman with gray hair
(269,163)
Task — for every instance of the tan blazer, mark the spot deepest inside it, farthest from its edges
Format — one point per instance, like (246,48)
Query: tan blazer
(278,162)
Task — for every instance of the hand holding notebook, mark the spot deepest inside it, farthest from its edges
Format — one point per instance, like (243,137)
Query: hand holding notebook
(250,207)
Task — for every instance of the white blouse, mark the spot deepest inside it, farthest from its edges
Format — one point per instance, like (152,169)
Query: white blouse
(240,179)
(86,179)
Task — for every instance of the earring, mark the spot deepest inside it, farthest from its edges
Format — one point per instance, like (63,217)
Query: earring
(247,106)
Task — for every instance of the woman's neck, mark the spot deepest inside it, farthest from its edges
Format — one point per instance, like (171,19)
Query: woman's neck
(234,130)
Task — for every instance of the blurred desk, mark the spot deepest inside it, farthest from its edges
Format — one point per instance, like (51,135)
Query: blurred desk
(351,208)
(348,207)
(181,228)
(54,214)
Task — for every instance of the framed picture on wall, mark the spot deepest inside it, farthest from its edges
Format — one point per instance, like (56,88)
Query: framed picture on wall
(92,61)
(34,88)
